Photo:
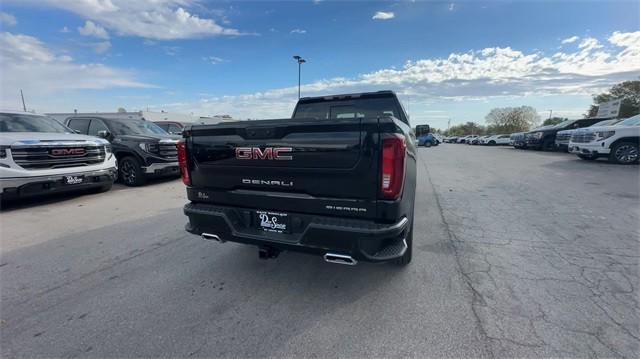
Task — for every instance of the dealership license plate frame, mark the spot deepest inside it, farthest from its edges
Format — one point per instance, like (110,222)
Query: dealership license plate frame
(72,180)
(273,222)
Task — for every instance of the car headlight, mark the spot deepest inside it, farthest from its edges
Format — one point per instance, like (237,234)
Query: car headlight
(603,135)
(149,147)
(3,151)
(107,149)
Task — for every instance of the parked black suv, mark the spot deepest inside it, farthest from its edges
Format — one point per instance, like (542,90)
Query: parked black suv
(142,148)
(544,138)
(337,179)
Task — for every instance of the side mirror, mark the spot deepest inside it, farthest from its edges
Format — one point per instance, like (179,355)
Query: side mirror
(104,134)
(76,131)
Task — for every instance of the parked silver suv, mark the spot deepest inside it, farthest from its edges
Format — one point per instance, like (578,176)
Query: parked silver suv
(38,155)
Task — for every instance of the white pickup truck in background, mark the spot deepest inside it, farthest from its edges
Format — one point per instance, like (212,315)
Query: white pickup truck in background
(38,155)
(619,142)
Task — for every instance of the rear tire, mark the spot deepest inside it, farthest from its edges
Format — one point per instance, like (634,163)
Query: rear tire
(130,172)
(492,143)
(427,144)
(624,153)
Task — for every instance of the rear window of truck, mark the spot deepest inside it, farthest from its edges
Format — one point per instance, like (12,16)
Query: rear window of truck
(340,109)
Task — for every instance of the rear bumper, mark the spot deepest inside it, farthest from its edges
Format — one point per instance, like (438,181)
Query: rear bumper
(364,240)
(19,187)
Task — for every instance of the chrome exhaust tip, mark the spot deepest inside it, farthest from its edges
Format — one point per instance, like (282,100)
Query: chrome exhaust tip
(212,237)
(340,259)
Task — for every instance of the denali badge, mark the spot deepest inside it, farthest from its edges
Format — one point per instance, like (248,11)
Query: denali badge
(268,182)
(269,153)
(67,152)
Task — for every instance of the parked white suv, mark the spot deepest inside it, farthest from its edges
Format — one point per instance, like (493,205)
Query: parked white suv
(496,140)
(619,142)
(38,155)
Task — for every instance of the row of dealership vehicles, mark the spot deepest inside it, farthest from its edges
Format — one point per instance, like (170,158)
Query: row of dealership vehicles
(39,155)
(589,139)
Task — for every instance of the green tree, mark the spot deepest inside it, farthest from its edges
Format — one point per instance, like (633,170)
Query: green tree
(512,119)
(467,128)
(628,91)
(553,121)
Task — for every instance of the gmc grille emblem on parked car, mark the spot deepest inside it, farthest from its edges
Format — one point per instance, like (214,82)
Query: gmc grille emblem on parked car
(67,151)
(269,153)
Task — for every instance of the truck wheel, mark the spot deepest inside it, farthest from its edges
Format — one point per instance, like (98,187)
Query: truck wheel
(624,153)
(587,157)
(427,144)
(130,172)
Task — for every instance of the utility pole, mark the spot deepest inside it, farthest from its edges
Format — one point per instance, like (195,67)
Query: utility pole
(550,113)
(300,61)
(24,107)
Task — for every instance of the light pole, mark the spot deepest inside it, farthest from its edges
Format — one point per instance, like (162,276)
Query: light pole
(300,61)
(550,113)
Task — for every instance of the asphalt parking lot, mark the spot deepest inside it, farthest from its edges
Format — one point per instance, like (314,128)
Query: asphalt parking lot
(517,254)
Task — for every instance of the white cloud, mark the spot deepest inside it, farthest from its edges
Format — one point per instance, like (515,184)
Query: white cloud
(7,19)
(214,60)
(452,7)
(570,40)
(154,19)
(589,43)
(298,31)
(101,46)
(28,64)
(91,29)
(485,74)
(383,15)
(64,30)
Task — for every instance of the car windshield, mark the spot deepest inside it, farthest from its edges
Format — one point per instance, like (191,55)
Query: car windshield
(135,127)
(563,124)
(30,123)
(605,123)
(631,121)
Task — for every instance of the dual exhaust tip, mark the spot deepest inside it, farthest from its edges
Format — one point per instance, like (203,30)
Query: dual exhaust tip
(329,257)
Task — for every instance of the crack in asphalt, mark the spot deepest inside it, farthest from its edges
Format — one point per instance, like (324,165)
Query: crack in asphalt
(589,285)
(476,296)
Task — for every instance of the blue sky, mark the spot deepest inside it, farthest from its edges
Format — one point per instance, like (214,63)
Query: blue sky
(447,60)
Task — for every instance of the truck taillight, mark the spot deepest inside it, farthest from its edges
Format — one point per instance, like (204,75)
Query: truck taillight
(182,162)
(394,151)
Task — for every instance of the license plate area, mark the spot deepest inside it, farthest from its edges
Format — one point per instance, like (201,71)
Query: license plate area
(275,222)
(72,180)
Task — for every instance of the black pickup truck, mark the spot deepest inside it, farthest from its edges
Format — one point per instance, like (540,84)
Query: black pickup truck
(337,179)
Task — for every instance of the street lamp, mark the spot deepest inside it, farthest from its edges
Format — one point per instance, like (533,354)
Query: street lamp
(300,61)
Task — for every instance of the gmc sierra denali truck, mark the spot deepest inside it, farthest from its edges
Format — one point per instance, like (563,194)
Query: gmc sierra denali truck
(338,180)
(38,155)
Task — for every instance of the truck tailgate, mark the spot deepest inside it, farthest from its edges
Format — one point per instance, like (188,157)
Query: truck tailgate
(292,157)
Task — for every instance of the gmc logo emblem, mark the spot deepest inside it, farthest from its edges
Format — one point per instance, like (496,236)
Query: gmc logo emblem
(67,152)
(269,153)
